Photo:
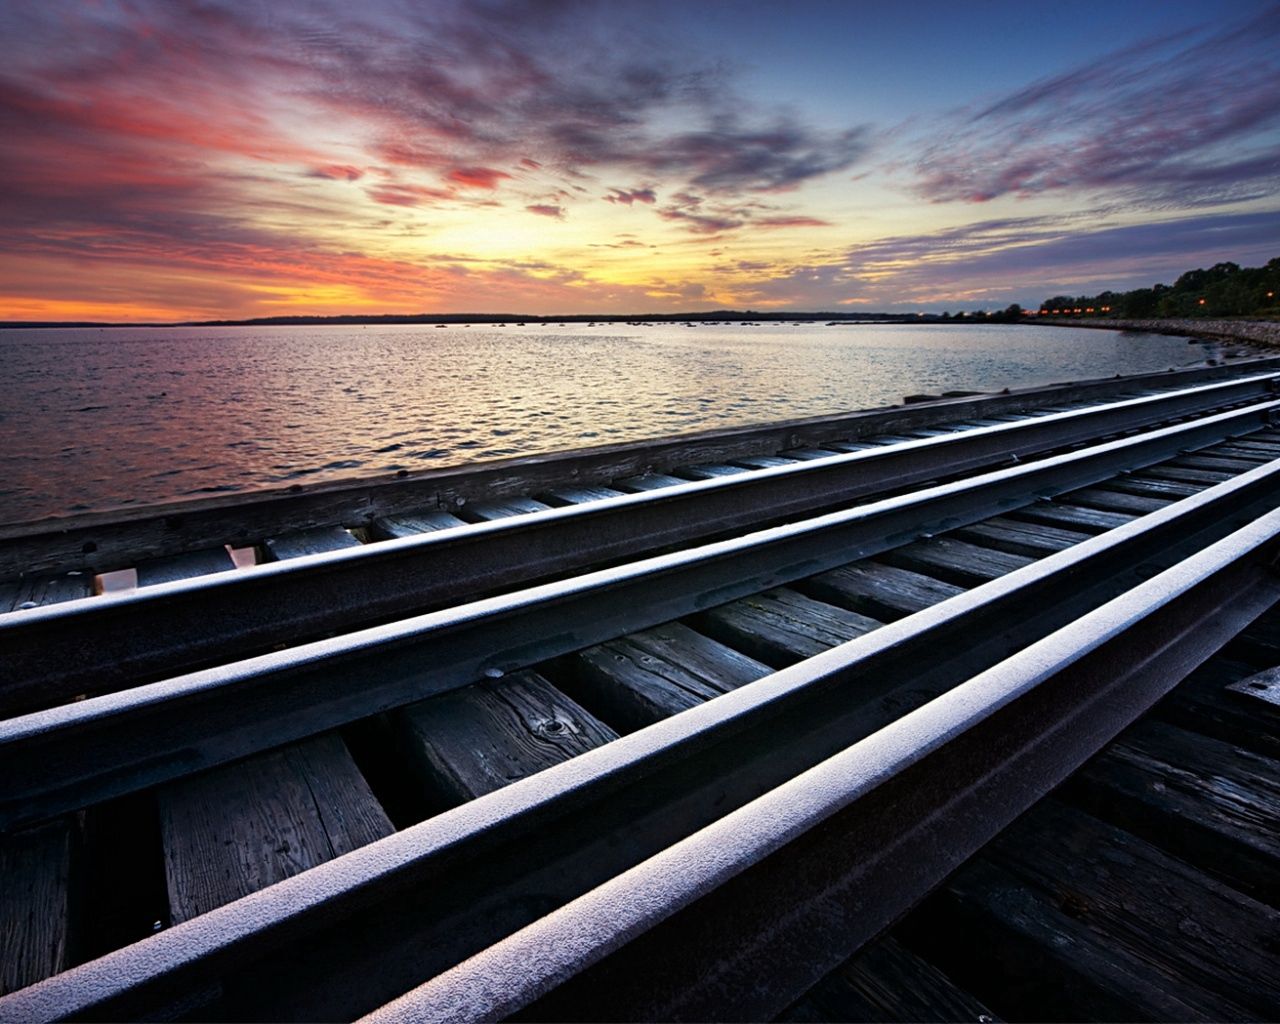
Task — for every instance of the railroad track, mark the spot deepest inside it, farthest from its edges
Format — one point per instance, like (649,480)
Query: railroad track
(186,622)
(931,660)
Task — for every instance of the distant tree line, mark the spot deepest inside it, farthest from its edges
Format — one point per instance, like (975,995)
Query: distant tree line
(1225,289)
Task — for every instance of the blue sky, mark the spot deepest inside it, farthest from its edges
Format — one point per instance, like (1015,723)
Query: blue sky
(169,159)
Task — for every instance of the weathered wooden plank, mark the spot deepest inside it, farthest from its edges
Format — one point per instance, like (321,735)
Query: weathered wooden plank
(501,508)
(955,561)
(709,471)
(1201,702)
(1020,538)
(884,592)
(1072,517)
(37,918)
(1199,461)
(35,903)
(1113,501)
(1262,687)
(887,982)
(181,567)
(480,738)
(308,542)
(782,626)
(560,496)
(1253,444)
(1208,477)
(239,828)
(1207,942)
(34,591)
(808,454)
(764,461)
(1212,804)
(658,672)
(648,482)
(1241,453)
(850,446)
(1171,490)
(413,523)
(1259,642)
(1069,918)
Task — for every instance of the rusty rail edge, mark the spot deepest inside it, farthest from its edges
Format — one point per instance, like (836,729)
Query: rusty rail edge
(114,539)
(105,643)
(739,919)
(348,936)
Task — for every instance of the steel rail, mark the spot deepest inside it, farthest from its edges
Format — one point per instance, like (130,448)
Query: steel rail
(68,756)
(741,918)
(98,644)
(350,935)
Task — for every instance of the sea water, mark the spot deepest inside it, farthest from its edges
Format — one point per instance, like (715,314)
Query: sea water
(93,419)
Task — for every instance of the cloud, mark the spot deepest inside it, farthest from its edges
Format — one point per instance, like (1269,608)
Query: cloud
(732,158)
(476,177)
(337,172)
(793,222)
(546,210)
(628,196)
(406,195)
(1175,120)
(1007,260)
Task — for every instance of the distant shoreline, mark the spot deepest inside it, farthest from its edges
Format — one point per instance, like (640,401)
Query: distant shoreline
(454,319)
(1248,332)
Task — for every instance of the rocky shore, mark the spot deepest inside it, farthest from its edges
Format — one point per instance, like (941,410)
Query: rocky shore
(1253,332)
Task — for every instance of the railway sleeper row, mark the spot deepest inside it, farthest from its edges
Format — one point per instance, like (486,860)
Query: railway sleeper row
(319,798)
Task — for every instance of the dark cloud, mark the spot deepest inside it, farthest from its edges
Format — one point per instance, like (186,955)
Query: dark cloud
(546,210)
(337,172)
(628,196)
(1175,120)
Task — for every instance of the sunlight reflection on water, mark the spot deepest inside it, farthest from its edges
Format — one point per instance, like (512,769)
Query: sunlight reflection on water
(101,418)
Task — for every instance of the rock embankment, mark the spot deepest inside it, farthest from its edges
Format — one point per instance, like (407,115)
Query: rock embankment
(1256,332)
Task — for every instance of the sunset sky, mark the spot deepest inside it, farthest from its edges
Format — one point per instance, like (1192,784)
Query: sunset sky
(169,160)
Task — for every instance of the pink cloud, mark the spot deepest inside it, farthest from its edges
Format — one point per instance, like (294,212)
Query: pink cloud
(476,177)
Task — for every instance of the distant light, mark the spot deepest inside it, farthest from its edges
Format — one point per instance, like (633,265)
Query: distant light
(1089,310)
(1202,302)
